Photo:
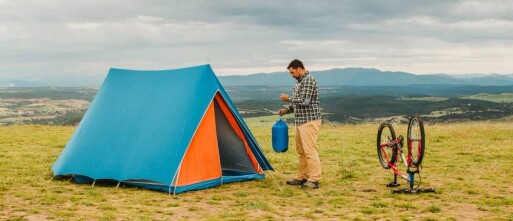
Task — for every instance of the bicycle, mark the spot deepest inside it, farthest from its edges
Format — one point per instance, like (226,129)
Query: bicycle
(390,152)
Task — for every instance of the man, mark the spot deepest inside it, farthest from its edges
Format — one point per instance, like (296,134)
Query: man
(304,103)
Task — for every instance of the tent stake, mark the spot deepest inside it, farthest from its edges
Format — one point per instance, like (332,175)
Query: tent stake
(93,183)
(277,184)
(118,184)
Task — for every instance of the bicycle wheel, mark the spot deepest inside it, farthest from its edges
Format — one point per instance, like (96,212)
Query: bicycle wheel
(416,140)
(387,152)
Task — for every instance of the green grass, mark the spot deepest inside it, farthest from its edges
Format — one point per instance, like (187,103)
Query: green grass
(499,98)
(469,164)
(433,99)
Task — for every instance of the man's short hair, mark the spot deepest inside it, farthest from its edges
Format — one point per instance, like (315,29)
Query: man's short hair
(296,64)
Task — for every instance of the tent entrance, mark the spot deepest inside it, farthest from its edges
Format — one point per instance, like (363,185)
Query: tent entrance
(218,151)
(236,159)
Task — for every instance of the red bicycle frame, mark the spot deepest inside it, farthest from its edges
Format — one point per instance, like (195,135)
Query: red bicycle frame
(397,150)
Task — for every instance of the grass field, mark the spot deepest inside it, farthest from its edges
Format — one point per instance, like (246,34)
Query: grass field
(500,98)
(434,99)
(469,164)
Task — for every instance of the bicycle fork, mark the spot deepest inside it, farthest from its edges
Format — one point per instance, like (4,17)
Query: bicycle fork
(411,175)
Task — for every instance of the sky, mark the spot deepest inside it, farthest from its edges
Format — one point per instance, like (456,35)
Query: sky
(54,38)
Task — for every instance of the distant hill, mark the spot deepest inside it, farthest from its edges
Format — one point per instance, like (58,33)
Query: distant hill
(54,81)
(333,77)
(369,77)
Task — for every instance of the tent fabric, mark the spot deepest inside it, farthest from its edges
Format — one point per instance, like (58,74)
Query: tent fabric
(170,130)
(201,161)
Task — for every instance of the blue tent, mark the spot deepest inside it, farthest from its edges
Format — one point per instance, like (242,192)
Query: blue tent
(169,130)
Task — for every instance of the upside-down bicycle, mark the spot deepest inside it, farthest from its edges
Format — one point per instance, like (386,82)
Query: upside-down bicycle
(391,150)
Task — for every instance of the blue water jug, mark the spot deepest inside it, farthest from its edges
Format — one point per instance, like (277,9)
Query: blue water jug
(280,136)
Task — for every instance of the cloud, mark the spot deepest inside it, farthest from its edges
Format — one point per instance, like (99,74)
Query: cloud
(41,38)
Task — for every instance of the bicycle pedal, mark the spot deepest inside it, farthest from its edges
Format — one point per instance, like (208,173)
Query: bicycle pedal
(413,191)
(404,191)
(393,184)
(400,191)
(426,190)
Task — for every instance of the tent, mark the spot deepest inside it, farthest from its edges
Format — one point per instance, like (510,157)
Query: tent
(168,130)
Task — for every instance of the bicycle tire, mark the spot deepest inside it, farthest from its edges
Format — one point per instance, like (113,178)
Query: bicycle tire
(416,140)
(387,155)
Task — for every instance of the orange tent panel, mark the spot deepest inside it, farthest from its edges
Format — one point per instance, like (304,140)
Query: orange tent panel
(201,161)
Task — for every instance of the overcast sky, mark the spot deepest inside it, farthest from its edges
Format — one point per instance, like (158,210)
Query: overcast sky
(86,38)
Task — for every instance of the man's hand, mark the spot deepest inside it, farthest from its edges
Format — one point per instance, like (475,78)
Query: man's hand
(284,97)
(282,112)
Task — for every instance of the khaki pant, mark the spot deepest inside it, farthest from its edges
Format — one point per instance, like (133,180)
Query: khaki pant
(306,147)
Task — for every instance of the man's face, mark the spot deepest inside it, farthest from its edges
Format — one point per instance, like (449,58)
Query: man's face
(295,72)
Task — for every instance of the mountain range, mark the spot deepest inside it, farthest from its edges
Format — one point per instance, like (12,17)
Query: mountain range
(53,81)
(333,77)
(369,77)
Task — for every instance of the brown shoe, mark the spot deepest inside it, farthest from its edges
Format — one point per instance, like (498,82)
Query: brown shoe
(296,182)
(310,184)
